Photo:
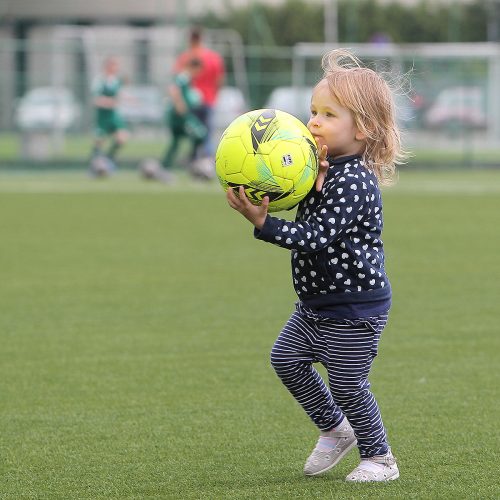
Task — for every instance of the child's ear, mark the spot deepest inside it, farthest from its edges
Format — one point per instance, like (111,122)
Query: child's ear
(360,136)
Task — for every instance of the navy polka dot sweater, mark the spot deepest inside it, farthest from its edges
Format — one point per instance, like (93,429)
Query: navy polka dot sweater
(336,250)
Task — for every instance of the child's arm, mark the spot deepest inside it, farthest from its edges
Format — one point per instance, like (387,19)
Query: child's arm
(343,206)
(105,102)
(177,100)
(257,214)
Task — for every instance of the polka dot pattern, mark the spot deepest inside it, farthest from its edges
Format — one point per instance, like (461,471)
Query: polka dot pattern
(335,240)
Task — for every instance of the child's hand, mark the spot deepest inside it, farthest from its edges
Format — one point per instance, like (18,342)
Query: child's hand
(255,214)
(323,167)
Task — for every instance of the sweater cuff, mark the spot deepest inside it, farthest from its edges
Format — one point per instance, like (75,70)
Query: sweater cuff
(268,229)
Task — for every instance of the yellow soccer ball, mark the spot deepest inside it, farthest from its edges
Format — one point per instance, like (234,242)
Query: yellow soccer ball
(270,153)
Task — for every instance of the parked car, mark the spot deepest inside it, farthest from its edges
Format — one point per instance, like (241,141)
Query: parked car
(293,100)
(47,108)
(406,110)
(297,102)
(230,104)
(458,106)
(142,104)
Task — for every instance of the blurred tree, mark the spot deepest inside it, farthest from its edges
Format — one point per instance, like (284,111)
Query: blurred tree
(289,22)
(493,27)
(296,21)
(268,30)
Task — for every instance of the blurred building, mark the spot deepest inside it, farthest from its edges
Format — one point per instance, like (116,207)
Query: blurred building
(63,42)
(92,11)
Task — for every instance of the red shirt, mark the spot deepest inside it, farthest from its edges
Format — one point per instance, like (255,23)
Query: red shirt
(211,74)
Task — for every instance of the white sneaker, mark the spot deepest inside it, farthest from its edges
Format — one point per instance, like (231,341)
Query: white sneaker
(378,468)
(322,461)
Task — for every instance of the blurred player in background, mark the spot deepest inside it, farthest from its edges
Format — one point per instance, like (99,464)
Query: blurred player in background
(208,81)
(109,123)
(182,115)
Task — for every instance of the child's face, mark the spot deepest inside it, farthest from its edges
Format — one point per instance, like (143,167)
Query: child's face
(194,71)
(333,125)
(111,66)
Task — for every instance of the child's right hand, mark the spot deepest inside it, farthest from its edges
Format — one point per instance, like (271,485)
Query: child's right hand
(256,214)
(323,167)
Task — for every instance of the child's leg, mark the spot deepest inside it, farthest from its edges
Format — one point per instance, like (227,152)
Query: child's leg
(195,144)
(292,357)
(100,134)
(171,151)
(299,345)
(351,350)
(119,139)
(97,146)
(196,131)
(205,115)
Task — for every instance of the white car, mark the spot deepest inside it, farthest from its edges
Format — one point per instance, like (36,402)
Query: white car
(47,108)
(230,104)
(293,100)
(142,105)
(458,106)
(297,102)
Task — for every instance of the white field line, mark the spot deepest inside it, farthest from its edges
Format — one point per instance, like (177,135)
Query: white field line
(76,183)
(126,182)
(445,186)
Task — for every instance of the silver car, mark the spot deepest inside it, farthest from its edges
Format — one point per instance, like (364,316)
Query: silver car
(47,108)
(293,100)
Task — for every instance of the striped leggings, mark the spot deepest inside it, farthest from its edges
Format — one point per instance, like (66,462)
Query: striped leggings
(346,348)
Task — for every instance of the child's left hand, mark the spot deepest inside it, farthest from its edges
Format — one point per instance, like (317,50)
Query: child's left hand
(323,167)
(254,213)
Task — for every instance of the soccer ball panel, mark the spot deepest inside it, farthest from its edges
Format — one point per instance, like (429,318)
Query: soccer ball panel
(288,158)
(270,153)
(236,179)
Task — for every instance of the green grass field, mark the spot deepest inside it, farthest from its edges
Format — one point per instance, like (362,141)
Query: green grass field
(136,323)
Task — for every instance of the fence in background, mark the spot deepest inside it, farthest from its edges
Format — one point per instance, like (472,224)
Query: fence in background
(446,94)
(448,103)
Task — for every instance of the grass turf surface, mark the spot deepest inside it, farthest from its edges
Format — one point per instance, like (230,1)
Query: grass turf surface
(136,326)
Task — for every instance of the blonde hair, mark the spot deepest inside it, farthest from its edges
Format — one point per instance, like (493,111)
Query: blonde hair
(370,99)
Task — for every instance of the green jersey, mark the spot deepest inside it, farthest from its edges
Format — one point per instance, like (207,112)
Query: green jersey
(108,120)
(187,123)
